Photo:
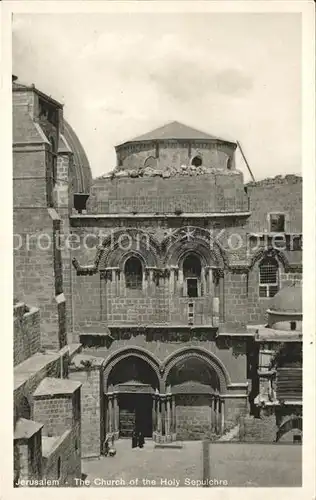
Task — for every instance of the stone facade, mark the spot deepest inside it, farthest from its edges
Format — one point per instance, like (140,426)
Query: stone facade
(147,283)
(27,335)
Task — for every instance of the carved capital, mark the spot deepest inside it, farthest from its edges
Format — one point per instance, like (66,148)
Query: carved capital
(219,273)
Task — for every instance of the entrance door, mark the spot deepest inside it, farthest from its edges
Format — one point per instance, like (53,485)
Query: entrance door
(143,414)
(135,413)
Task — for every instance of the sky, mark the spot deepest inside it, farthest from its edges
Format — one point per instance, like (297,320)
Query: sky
(119,75)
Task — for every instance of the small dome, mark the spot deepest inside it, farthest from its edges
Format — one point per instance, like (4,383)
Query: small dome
(288,300)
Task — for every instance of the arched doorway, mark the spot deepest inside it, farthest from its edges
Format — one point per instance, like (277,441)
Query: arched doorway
(196,389)
(291,430)
(131,385)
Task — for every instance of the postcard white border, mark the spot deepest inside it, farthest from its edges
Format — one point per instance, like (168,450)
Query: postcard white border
(307,9)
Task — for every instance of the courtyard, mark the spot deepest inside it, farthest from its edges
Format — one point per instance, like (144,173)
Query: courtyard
(197,464)
(148,466)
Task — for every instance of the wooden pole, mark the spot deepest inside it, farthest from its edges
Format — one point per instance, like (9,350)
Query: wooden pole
(245,160)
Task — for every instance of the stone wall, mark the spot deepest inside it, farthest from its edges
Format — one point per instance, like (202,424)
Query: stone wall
(278,194)
(63,461)
(172,154)
(263,429)
(281,424)
(235,408)
(92,411)
(215,192)
(27,335)
(30,373)
(36,226)
(194,417)
(38,271)
(28,458)
(55,413)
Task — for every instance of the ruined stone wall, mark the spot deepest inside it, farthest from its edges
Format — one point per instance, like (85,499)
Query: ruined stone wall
(261,429)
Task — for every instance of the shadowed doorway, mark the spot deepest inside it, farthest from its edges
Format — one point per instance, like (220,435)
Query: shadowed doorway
(133,381)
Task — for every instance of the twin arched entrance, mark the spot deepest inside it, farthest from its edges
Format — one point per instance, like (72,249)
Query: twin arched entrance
(181,398)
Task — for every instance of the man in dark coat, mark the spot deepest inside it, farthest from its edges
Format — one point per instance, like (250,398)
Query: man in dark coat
(141,440)
(134,439)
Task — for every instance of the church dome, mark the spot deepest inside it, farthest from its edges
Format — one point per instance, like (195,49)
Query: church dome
(81,166)
(175,131)
(173,149)
(288,300)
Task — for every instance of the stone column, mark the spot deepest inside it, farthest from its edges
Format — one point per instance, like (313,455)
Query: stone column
(216,413)
(222,416)
(221,297)
(159,426)
(103,296)
(171,282)
(174,415)
(213,414)
(154,413)
(163,414)
(110,413)
(145,279)
(113,284)
(180,283)
(118,281)
(168,419)
(150,281)
(116,415)
(210,282)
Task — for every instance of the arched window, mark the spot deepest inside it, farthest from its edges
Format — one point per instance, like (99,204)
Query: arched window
(150,162)
(229,164)
(197,161)
(192,276)
(268,277)
(133,273)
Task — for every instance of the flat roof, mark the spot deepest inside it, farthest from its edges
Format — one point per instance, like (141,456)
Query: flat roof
(56,386)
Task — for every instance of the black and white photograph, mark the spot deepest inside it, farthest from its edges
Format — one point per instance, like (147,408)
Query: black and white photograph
(157,242)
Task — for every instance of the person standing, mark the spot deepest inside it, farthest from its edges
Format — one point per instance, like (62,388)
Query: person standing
(141,440)
(134,438)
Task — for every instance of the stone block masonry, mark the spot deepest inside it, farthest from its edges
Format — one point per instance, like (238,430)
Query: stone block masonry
(276,195)
(28,447)
(56,403)
(209,193)
(195,418)
(38,273)
(62,459)
(87,370)
(27,335)
(263,429)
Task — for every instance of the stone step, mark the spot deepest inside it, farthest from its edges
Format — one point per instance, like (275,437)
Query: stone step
(230,435)
(172,445)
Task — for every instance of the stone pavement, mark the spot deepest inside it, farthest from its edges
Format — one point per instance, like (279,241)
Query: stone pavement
(256,464)
(148,466)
